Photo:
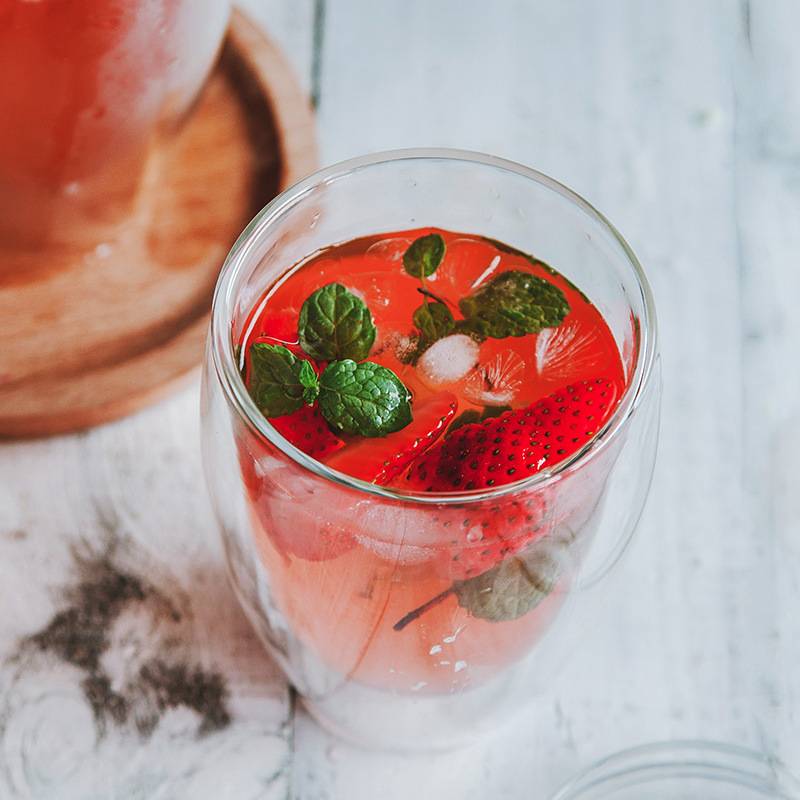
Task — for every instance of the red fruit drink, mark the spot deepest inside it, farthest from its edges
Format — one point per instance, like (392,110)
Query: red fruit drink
(429,363)
(86,87)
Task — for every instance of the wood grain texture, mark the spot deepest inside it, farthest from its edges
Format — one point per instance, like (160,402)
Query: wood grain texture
(680,121)
(135,489)
(131,314)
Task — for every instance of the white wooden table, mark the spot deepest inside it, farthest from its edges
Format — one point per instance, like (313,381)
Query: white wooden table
(681,121)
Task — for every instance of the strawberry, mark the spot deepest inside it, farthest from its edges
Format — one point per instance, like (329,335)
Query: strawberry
(381,460)
(480,537)
(501,450)
(516,444)
(307,430)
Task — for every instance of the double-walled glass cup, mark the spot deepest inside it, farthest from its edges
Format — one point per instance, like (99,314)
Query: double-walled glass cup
(352,586)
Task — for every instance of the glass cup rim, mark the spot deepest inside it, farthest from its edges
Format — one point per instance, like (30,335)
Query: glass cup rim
(227,370)
(681,759)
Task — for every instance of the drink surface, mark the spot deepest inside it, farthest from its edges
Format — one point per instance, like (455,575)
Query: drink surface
(479,374)
(498,368)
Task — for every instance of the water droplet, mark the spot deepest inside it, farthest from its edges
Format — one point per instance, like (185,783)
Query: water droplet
(474,535)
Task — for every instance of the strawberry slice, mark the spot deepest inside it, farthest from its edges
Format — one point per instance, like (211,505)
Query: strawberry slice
(519,443)
(381,460)
(307,430)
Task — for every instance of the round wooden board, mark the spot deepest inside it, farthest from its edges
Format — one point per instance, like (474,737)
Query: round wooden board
(88,337)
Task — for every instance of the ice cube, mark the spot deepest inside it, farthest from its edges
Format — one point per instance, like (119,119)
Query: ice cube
(399,535)
(567,350)
(447,361)
(390,249)
(496,381)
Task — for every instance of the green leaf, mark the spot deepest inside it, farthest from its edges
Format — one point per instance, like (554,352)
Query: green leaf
(434,321)
(364,399)
(309,381)
(507,248)
(514,303)
(335,324)
(513,587)
(471,415)
(424,255)
(464,418)
(494,411)
(280,383)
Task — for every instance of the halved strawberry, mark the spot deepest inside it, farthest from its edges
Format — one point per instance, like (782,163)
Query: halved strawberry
(381,460)
(307,430)
(519,443)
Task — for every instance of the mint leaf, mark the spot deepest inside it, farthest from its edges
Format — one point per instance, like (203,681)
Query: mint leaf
(335,324)
(471,415)
(434,321)
(514,303)
(424,255)
(507,248)
(364,399)
(494,411)
(280,383)
(464,418)
(309,381)
(513,587)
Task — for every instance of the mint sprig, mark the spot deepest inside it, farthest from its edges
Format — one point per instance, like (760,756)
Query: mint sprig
(335,324)
(508,590)
(507,248)
(471,415)
(434,320)
(513,587)
(513,303)
(365,399)
(280,383)
(423,256)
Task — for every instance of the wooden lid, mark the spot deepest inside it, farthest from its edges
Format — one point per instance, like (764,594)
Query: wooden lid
(89,337)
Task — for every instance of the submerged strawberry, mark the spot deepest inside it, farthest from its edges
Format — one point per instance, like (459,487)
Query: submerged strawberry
(383,459)
(519,443)
(307,430)
(479,537)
